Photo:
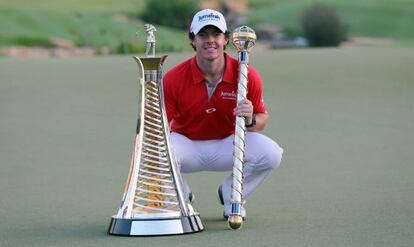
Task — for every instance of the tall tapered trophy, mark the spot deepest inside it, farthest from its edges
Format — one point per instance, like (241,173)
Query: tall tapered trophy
(153,202)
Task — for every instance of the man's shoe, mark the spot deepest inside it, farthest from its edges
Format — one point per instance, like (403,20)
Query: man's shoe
(221,200)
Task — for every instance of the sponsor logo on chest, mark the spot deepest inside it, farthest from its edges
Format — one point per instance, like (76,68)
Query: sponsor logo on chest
(228,95)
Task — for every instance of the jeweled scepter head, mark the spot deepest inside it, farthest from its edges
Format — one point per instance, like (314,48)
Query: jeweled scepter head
(243,38)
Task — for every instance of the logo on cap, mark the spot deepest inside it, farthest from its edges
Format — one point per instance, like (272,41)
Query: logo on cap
(210,16)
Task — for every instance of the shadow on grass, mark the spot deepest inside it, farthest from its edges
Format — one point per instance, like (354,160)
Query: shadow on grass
(215,224)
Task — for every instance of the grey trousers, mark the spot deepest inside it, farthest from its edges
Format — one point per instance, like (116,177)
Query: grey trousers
(262,155)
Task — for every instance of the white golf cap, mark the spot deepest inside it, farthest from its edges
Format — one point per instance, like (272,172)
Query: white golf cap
(207,17)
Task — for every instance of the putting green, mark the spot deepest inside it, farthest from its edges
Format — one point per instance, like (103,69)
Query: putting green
(344,117)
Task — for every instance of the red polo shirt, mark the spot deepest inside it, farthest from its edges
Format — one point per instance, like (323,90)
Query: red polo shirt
(190,111)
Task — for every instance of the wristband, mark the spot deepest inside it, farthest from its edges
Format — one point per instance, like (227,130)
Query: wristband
(253,123)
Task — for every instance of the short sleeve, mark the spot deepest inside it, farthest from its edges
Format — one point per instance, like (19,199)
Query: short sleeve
(255,91)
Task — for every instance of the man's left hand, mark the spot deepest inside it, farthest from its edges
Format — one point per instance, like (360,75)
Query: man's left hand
(244,109)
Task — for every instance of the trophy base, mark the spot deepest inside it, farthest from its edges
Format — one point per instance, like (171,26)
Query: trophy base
(155,227)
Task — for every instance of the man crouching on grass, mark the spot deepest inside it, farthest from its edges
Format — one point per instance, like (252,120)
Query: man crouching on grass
(200,98)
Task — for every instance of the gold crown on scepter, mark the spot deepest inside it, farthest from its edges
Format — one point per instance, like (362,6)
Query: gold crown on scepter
(243,38)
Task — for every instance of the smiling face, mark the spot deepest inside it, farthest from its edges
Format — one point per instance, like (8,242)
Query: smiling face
(209,43)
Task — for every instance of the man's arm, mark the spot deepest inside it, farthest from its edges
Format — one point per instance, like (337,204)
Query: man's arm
(245,109)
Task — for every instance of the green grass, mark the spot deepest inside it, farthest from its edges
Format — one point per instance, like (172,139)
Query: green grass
(373,18)
(94,22)
(86,23)
(344,117)
(108,6)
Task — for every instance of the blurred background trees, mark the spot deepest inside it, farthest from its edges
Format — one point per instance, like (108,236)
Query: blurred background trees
(322,26)
(117,26)
(174,14)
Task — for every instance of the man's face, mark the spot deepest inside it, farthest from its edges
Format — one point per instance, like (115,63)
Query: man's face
(209,43)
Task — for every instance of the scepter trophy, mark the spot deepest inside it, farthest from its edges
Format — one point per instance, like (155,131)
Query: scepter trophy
(243,39)
(153,202)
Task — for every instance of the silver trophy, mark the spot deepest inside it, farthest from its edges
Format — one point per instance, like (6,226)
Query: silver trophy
(243,39)
(153,202)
